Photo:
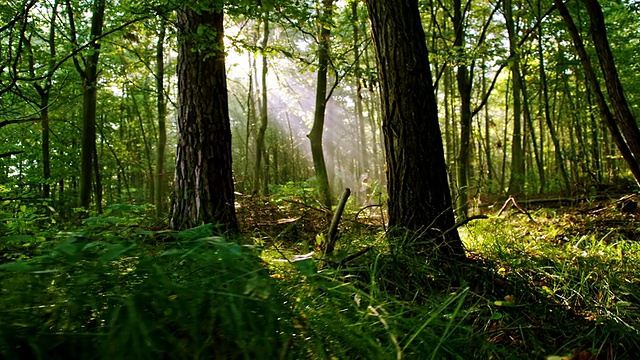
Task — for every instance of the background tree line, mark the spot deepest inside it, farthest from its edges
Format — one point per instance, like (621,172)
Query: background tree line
(519,111)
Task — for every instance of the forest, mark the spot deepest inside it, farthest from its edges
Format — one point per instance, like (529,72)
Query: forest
(319,179)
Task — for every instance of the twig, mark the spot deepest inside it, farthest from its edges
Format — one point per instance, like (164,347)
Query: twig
(355,255)
(7,154)
(512,200)
(355,218)
(18,121)
(464,222)
(333,229)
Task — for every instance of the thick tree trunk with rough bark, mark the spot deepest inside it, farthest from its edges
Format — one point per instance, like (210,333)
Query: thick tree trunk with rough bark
(419,197)
(204,183)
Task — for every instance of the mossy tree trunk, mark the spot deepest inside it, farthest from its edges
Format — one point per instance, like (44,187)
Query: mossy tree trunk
(315,135)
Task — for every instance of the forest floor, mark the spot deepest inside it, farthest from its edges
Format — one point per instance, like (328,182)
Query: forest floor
(538,282)
(555,282)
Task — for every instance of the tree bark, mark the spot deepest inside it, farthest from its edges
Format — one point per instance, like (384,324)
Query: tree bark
(547,111)
(204,189)
(516,180)
(605,112)
(90,97)
(160,180)
(465,82)
(624,115)
(362,144)
(419,197)
(259,183)
(315,136)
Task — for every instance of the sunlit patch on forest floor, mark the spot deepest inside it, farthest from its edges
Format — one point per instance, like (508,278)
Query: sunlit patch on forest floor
(556,282)
(570,275)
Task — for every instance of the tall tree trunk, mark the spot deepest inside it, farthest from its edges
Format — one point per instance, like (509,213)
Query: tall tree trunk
(464,81)
(547,111)
(531,130)
(487,132)
(90,97)
(605,112)
(419,197)
(250,120)
(147,151)
(503,170)
(204,189)
(596,150)
(516,181)
(259,185)
(160,179)
(315,136)
(362,144)
(44,92)
(624,116)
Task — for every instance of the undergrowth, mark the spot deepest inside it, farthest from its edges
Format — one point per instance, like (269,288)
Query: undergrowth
(114,289)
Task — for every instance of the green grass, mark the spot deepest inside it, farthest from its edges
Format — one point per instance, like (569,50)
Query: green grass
(575,286)
(529,290)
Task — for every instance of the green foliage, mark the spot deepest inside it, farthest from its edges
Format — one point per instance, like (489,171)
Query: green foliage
(304,191)
(575,278)
(340,315)
(198,298)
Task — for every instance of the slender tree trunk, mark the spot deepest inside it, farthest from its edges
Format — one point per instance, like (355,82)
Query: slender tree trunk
(595,136)
(362,144)
(315,136)
(260,186)
(363,161)
(44,93)
(465,84)
(250,120)
(547,111)
(534,140)
(624,115)
(160,179)
(204,190)
(503,171)
(516,181)
(605,112)
(419,197)
(147,151)
(90,76)
(487,131)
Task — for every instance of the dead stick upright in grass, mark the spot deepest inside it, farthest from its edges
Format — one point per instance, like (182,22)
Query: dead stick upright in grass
(512,201)
(333,229)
